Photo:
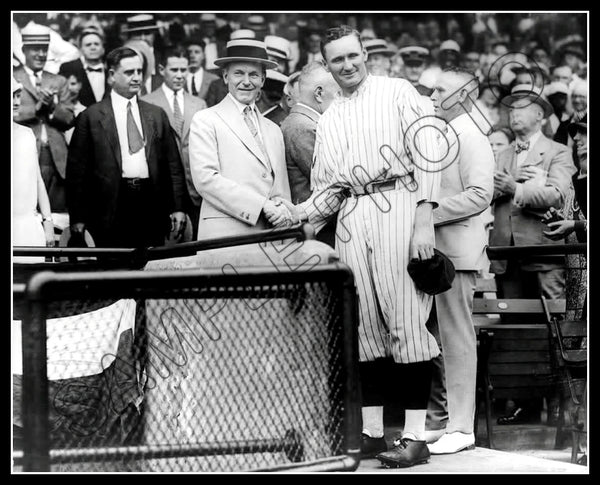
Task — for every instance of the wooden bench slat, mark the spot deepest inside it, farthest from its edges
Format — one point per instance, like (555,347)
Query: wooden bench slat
(517,305)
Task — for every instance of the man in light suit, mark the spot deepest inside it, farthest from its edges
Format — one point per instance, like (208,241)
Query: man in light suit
(533,174)
(47,110)
(125,180)
(317,89)
(237,156)
(90,68)
(180,108)
(466,191)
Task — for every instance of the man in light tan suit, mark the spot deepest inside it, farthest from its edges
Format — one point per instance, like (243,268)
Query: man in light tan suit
(466,191)
(180,108)
(237,156)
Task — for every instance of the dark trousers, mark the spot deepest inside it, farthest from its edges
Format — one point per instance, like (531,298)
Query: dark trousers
(137,223)
(385,382)
(55,185)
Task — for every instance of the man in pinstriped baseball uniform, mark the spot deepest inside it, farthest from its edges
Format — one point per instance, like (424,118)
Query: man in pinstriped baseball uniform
(375,165)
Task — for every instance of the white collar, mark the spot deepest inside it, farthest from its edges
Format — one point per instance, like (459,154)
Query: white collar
(86,65)
(241,106)
(116,98)
(309,108)
(532,139)
(461,122)
(170,93)
(30,71)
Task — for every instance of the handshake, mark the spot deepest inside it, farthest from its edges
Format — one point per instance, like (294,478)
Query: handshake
(281,213)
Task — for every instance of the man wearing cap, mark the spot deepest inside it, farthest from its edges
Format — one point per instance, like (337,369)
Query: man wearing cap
(379,61)
(414,58)
(47,110)
(125,179)
(373,167)
(90,68)
(466,191)
(449,54)
(278,50)
(316,91)
(271,103)
(198,79)
(180,108)
(142,30)
(237,156)
(533,174)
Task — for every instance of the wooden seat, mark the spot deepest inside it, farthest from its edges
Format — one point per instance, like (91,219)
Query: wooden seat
(513,359)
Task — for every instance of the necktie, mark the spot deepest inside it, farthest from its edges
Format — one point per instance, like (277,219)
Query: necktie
(522,147)
(134,138)
(94,69)
(177,116)
(38,80)
(253,129)
(194,90)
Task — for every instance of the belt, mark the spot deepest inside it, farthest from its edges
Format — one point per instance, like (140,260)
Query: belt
(135,183)
(403,182)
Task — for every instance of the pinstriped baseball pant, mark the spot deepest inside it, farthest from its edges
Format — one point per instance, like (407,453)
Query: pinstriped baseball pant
(372,238)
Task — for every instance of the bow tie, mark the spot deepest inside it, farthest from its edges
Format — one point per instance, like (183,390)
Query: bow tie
(94,69)
(522,147)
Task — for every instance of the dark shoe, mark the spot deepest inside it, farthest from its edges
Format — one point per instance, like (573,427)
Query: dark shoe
(405,453)
(369,447)
(582,460)
(516,417)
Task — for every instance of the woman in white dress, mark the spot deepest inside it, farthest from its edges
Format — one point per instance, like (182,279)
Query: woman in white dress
(29,228)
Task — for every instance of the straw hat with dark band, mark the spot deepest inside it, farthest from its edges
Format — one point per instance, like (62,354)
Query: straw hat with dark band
(142,22)
(35,35)
(533,93)
(246,50)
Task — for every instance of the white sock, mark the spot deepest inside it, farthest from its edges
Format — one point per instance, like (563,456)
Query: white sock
(414,423)
(372,417)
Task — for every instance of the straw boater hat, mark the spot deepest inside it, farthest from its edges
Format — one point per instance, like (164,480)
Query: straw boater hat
(378,46)
(278,47)
(413,53)
(16,85)
(246,50)
(242,34)
(533,93)
(141,22)
(35,34)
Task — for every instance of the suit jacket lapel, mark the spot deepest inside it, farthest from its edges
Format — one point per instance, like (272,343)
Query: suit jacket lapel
(161,100)
(187,113)
(306,112)
(22,76)
(535,155)
(110,127)
(148,125)
(228,112)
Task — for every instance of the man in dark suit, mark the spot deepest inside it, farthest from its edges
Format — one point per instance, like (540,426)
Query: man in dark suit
(47,110)
(180,108)
(90,69)
(198,79)
(316,89)
(125,179)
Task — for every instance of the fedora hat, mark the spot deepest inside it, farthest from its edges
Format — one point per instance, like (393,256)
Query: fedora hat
(278,47)
(35,34)
(378,46)
(141,22)
(521,91)
(246,50)
(434,275)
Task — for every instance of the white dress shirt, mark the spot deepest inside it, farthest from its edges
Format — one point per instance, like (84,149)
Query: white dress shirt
(253,114)
(136,165)
(97,79)
(521,157)
(170,94)
(197,76)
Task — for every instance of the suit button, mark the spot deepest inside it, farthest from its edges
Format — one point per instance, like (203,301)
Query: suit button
(247,217)
(264,175)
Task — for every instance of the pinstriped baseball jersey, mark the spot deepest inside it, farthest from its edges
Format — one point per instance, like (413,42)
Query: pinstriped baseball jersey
(379,132)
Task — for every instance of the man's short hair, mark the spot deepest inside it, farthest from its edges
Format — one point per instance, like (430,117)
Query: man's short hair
(307,73)
(336,33)
(114,57)
(194,41)
(171,51)
(89,31)
(466,74)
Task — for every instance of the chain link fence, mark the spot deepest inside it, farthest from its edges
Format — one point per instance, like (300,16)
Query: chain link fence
(186,371)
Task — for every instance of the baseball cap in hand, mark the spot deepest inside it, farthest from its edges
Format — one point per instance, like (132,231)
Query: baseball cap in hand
(434,275)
